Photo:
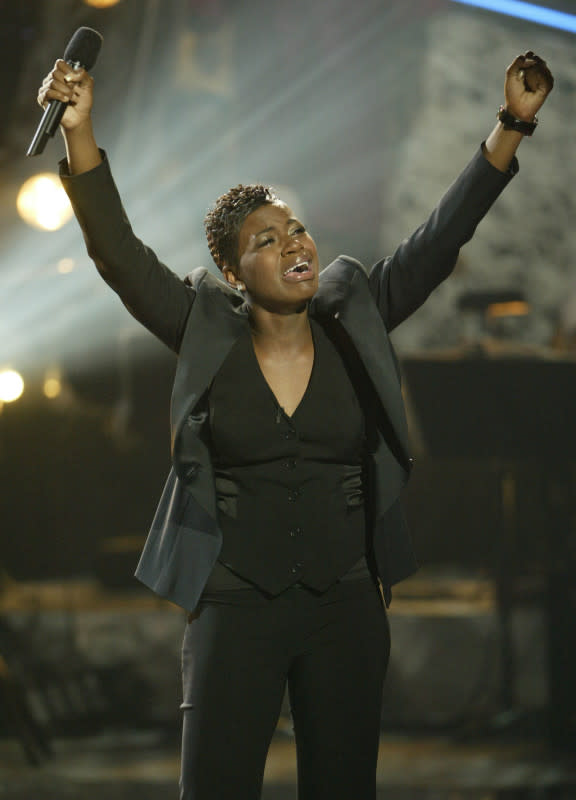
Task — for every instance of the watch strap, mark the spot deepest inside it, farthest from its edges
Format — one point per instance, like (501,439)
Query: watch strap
(512,123)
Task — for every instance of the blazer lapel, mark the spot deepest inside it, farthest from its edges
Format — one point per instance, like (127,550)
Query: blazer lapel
(344,293)
(217,319)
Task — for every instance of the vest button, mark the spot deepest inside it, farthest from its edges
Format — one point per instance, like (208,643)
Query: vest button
(294,495)
(296,568)
(290,463)
(295,532)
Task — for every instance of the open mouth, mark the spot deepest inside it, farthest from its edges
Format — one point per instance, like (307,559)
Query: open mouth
(300,271)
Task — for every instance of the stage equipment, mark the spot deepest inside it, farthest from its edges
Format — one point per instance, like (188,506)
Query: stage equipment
(509,407)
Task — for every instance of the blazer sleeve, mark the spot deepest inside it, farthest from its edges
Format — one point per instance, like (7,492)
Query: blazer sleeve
(153,294)
(401,283)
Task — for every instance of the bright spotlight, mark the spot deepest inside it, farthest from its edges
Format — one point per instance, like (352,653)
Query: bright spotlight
(43,203)
(11,385)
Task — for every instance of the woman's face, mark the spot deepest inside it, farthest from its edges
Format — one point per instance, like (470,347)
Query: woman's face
(278,262)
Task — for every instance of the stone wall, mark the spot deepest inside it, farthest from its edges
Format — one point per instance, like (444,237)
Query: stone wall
(526,242)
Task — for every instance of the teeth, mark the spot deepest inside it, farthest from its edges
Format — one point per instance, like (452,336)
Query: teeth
(297,267)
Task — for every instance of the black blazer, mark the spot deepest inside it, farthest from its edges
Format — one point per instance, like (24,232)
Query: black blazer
(201,318)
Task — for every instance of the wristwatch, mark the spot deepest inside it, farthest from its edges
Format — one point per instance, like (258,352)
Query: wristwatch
(512,123)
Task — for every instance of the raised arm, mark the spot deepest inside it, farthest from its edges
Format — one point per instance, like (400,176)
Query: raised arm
(402,282)
(153,294)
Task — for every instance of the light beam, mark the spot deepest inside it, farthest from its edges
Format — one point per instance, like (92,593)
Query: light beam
(516,8)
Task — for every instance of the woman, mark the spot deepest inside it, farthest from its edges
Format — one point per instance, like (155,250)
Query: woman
(279,528)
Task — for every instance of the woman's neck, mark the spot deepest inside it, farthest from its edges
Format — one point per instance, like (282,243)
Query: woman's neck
(280,333)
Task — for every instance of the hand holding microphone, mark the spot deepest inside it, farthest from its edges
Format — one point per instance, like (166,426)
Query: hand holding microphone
(66,93)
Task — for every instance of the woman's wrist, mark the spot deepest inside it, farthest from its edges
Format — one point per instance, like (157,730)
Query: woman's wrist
(81,148)
(512,122)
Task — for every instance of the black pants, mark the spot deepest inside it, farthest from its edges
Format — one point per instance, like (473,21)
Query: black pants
(331,649)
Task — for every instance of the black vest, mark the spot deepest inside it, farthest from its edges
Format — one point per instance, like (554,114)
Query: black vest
(289,489)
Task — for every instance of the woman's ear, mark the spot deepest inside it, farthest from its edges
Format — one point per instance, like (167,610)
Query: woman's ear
(232,280)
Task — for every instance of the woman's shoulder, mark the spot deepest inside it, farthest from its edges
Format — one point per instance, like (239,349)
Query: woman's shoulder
(212,291)
(202,279)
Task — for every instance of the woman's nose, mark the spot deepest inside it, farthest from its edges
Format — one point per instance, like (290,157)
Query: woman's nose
(293,245)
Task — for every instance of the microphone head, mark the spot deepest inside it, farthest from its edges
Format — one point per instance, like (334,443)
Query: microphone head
(83,48)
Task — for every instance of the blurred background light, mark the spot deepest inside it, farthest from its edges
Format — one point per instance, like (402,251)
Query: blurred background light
(52,386)
(11,385)
(42,202)
(66,265)
(101,3)
(533,13)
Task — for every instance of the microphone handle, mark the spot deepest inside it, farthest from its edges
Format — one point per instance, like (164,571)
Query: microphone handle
(48,126)
(49,123)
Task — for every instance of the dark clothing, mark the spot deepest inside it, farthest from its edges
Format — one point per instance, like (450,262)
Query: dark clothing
(289,489)
(330,647)
(332,650)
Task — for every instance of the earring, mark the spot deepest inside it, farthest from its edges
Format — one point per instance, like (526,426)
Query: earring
(240,287)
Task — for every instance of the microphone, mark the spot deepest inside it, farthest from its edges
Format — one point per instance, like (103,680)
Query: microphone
(81,51)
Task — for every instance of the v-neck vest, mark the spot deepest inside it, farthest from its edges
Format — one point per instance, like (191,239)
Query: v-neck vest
(289,489)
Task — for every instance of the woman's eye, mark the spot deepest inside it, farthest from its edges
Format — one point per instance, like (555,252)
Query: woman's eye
(299,229)
(264,242)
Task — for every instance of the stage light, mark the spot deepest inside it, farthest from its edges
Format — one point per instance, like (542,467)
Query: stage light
(43,203)
(101,3)
(11,386)
(66,265)
(52,386)
(522,10)
(514,308)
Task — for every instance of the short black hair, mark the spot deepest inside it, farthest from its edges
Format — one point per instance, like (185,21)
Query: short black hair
(222,223)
